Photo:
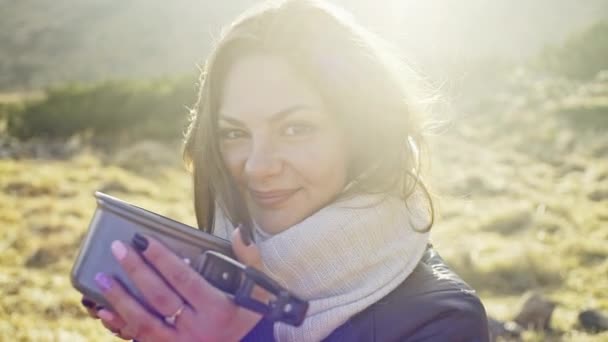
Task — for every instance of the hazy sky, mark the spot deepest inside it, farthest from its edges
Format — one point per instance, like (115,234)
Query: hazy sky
(471,27)
(91,39)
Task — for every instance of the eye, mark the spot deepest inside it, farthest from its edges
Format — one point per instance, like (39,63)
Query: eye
(232,133)
(298,129)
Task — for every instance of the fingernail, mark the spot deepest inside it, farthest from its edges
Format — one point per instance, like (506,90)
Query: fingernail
(88,303)
(105,315)
(119,250)
(140,242)
(103,281)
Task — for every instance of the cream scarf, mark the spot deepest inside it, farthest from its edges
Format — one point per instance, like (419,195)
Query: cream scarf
(343,258)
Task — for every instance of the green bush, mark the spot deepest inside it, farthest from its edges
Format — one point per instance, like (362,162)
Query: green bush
(151,109)
(582,56)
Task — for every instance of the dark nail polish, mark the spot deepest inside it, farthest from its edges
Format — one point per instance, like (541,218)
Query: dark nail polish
(88,303)
(140,242)
(103,281)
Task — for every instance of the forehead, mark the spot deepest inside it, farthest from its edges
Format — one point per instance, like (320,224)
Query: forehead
(262,84)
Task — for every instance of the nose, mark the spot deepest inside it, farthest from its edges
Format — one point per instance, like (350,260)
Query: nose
(262,161)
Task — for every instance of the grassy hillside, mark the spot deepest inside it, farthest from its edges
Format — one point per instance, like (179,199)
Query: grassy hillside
(521,211)
(523,194)
(46,207)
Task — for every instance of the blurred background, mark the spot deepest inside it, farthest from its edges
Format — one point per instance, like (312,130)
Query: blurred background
(94,96)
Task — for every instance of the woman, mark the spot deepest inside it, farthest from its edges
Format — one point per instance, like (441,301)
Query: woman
(304,133)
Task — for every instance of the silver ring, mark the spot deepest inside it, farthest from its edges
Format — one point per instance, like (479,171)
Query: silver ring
(172,318)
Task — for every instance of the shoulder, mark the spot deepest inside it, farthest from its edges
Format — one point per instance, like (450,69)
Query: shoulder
(432,304)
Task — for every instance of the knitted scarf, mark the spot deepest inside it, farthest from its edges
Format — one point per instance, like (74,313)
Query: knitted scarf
(344,258)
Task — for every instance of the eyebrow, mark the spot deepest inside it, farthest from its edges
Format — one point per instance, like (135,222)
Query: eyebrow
(278,116)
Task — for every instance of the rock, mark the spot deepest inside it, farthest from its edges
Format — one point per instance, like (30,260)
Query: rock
(46,149)
(504,330)
(593,320)
(8,147)
(479,185)
(113,187)
(42,258)
(598,195)
(146,157)
(536,312)
(509,222)
(24,189)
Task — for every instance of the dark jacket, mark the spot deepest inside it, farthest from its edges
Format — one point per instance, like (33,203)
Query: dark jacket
(432,304)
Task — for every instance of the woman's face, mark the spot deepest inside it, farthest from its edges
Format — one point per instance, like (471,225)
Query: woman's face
(285,151)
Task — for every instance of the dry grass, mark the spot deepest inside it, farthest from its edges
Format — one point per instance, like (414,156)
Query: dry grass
(523,197)
(523,203)
(45,209)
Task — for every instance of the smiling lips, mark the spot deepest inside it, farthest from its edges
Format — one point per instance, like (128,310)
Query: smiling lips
(271,199)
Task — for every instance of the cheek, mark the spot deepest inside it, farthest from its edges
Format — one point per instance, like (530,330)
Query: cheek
(234,159)
(322,165)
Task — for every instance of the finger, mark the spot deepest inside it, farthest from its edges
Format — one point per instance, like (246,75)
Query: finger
(111,320)
(185,280)
(113,323)
(141,323)
(248,255)
(90,306)
(153,288)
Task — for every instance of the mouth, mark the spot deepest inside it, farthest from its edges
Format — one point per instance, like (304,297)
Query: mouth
(271,199)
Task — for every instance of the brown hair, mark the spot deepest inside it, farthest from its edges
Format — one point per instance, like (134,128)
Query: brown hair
(359,78)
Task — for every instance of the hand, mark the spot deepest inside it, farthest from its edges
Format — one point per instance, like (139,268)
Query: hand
(169,286)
